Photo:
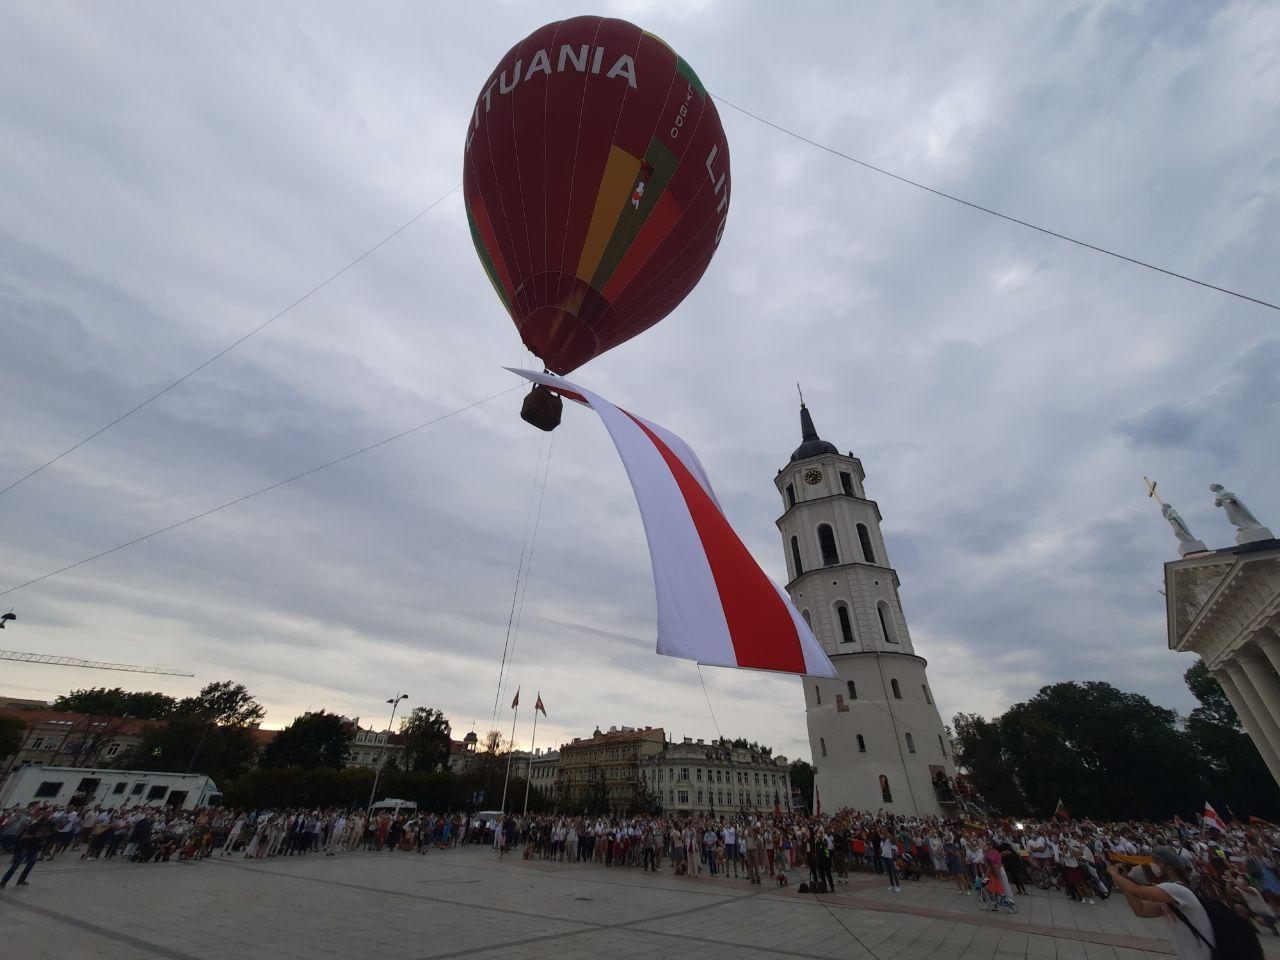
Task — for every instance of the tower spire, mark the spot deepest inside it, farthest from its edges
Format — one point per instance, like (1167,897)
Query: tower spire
(811,444)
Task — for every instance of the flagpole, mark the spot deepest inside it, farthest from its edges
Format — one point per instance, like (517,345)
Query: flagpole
(510,750)
(533,737)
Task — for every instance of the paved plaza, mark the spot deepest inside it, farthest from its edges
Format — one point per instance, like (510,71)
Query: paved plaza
(466,903)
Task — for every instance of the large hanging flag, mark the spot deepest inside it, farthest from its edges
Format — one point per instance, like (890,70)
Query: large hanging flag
(1211,818)
(715,604)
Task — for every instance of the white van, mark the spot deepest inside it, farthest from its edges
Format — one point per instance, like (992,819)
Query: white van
(110,789)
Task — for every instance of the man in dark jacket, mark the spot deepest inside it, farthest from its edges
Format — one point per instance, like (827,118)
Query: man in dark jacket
(27,849)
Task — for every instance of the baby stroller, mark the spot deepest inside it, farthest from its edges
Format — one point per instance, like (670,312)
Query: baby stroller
(988,896)
(908,867)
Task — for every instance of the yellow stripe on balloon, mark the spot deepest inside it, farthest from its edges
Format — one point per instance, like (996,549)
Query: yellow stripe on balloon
(611,199)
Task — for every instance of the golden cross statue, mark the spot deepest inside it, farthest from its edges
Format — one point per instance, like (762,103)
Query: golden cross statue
(1151,490)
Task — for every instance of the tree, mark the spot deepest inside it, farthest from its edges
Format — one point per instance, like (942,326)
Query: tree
(312,740)
(225,704)
(802,780)
(1214,705)
(426,739)
(117,702)
(1238,778)
(12,733)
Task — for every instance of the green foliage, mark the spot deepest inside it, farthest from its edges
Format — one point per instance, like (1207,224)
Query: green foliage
(189,743)
(1214,705)
(12,731)
(802,780)
(1107,754)
(426,739)
(744,744)
(312,740)
(117,702)
(225,704)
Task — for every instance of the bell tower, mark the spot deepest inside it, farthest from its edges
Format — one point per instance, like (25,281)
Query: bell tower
(876,736)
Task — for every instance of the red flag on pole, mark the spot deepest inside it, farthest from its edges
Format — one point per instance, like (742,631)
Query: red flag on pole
(1211,818)
(539,706)
(516,702)
(1061,810)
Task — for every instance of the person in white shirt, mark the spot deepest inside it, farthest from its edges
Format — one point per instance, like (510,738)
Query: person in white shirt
(1171,899)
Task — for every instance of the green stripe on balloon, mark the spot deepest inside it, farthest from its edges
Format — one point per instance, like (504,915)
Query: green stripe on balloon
(664,164)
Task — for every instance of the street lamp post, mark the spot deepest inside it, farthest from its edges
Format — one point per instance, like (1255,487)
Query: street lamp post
(382,761)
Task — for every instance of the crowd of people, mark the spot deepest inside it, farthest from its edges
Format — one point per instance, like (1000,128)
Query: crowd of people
(995,860)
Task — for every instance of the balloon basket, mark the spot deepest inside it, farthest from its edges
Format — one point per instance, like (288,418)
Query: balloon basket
(542,408)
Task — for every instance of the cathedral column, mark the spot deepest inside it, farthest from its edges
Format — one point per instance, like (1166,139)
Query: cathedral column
(1257,667)
(1268,641)
(1244,708)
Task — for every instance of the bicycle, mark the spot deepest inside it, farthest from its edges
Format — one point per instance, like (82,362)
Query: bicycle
(1046,876)
(986,899)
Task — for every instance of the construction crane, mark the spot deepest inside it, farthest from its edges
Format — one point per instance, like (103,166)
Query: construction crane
(56,661)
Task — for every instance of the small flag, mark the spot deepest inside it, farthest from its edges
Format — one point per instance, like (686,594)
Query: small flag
(539,706)
(1061,810)
(516,702)
(1211,818)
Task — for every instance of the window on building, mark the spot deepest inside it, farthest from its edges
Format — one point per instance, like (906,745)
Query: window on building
(897,690)
(911,744)
(846,483)
(864,538)
(718,776)
(853,690)
(827,544)
(699,772)
(795,556)
(156,792)
(137,788)
(839,702)
(807,619)
(699,798)
(941,745)
(112,749)
(684,774)
(50,788)
(684,796)
(885,793)
(37,743)
(822,745)
(120,788)
(862,744)
(791,494)
(846,625)
(817,693)
(928,697)
(886,623)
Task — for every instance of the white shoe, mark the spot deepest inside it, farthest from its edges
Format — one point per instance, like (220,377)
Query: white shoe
(898,889)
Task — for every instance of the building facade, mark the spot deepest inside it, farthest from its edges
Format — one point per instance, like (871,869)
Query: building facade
(66,739)
(714,778)
(877,738)
(543,770)
(1225,606)
(373,749)
(602,772)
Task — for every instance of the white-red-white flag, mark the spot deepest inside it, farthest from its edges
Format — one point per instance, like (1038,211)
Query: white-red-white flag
(715,604)
(1211,818)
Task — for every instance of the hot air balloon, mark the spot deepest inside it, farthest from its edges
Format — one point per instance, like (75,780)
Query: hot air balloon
(596,181)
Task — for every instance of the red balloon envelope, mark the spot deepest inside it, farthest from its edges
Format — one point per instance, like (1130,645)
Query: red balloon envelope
(596,179)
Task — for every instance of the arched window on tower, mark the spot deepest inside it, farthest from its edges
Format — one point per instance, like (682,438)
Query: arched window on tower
(941,745)
(827,543)
(822,743)
(795,556)
(885,793)
(846,483)
(817,694)
(791,494)
(887,626)
(853,690)
(911,744)
(897,690)
(862,744)
(864,538)
(846,625)
(807,619)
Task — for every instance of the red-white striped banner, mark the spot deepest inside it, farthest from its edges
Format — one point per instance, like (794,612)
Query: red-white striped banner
(715,604)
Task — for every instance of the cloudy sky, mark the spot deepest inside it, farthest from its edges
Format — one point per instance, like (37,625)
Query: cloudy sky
(174,174)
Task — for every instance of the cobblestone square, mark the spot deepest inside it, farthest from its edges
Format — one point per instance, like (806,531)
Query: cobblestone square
(467,903)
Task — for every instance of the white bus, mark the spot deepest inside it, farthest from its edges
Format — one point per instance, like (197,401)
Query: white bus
(111,789)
